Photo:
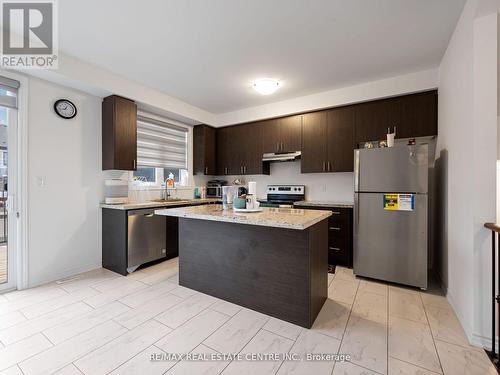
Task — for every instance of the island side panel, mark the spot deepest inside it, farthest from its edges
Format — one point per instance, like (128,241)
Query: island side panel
(266,269)
(318,244)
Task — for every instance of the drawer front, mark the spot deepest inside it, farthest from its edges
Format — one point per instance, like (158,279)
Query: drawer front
(339,216)
(338,230)
(338,253)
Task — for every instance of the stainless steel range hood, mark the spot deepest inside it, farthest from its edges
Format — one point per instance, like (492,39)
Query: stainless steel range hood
(282,156)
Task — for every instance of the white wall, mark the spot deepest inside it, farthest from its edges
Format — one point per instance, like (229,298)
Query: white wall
(467,149)
(319,186)
(64,214)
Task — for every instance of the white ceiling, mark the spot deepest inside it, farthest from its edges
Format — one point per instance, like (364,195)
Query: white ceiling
(206,52)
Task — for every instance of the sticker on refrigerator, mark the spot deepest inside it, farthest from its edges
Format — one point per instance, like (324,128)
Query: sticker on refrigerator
(399,202)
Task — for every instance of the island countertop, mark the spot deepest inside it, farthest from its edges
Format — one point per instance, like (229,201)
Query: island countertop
(288,218)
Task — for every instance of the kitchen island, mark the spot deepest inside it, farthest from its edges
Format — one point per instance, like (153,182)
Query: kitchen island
(274,261)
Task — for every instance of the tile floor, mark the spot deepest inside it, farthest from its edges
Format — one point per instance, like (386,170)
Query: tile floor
(103,323)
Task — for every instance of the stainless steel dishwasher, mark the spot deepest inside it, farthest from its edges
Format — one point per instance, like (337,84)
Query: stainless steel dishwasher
(147,237)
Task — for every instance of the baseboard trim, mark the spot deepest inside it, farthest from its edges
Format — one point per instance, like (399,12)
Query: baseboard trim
(63,274)
(483,342)
(467,329)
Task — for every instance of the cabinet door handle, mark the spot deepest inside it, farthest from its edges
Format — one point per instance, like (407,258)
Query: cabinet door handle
(225,170)
(334,248)
(277,146)
(244,169)
(335,213)
(334,228)
(206,170)
(135,162)
(282,146)
(324,166)
(329,167)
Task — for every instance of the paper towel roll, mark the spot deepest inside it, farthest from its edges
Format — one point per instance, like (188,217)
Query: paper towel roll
(252,187)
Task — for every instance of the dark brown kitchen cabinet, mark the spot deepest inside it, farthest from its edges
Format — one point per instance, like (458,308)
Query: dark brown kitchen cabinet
(204,150)
(282,135)
(239,150)
(340,139)
(119,133)
(314,142)
(413,115)
(328,141)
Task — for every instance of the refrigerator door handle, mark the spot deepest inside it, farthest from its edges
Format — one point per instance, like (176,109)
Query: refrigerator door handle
(356,170)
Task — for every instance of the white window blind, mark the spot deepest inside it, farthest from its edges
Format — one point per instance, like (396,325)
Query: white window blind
(8,92)
(161,143)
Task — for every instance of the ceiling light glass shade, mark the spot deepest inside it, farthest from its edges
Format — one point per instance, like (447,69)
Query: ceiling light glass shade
(266,86)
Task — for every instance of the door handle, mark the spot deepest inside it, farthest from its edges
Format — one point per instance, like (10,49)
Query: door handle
(329,167)
(335,212)
(149,215)
(206,170)
(135,167)
(323,166)
(245,169)
(334,248)
(225,170)
(334,228)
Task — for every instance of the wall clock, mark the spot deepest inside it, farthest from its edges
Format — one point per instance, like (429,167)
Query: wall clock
(65,108)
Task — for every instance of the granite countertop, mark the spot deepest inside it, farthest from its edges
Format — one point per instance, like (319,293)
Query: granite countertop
(154,204)
(269,217)
(337,204)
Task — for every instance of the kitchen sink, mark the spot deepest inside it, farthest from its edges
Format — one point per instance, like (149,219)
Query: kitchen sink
(170,200)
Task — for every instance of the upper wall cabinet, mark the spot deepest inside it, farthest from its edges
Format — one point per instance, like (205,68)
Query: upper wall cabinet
(282,135)
(239,150)
(204,150)
(119,133)
(328,141)
(413,115)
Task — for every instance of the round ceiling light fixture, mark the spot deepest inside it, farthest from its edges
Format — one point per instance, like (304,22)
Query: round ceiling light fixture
(266,86)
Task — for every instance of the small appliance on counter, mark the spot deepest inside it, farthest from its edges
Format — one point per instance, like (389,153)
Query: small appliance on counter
(283,195)
(214,188)
(115,191)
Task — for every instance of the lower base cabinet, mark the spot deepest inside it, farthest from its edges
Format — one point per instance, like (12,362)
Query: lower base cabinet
(340,232)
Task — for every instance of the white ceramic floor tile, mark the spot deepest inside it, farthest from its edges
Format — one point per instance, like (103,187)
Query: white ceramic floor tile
(225,307)
(366,342)
(370,306)
(65,331)
(41,290)
(332,319)
(87,279)
(347,368)
(412,342)
(55,303)
(436,300)
(458,360)
(120,350)
(263,342)
(70,350)
(314,343)
(343,273)
(139,298)
(182,312)
(445,326)
(20,303)
(192,333)
(114,291)
(397,367)
(148,310)
(68,370)
(282,328)
(343,290)
(183,292)
(10,319)
(32,326)
(406,305)
(15,353)
(14,370)
(372,286)
(199,367)
(142,364)
(237,332)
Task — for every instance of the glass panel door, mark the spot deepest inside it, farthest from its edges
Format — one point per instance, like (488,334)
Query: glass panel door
(8,169)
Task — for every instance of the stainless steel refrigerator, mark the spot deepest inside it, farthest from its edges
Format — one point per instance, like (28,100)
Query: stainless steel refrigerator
(391,206)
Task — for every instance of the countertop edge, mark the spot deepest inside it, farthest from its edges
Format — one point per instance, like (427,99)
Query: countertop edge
(324,204)
(145,205)
(232,220)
